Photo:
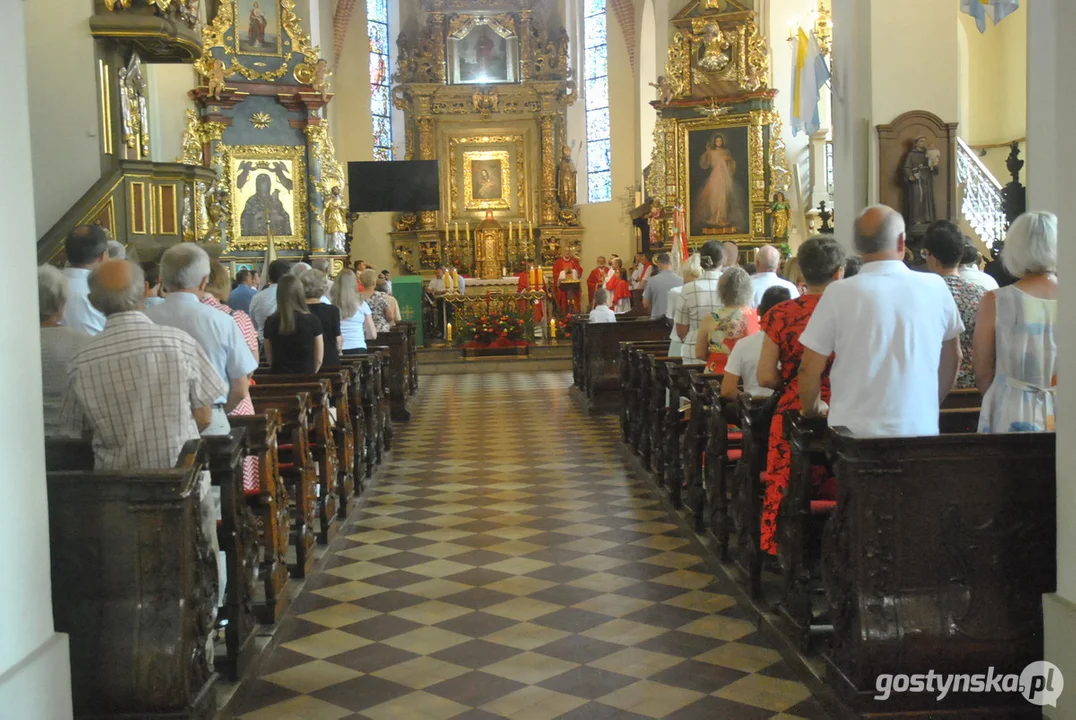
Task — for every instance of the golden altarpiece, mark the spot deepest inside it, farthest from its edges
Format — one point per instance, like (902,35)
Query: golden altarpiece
(484,89)
(718,167)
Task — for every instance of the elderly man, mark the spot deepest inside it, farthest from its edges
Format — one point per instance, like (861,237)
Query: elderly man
(896,335)
(59,345)
(263,304)
(86,247)
(656,292)
(767,263)
(732,253)
(244,291)
(185,273)
(142,390)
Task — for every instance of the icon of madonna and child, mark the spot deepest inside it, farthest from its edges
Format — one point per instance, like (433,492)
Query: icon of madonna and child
(718,179)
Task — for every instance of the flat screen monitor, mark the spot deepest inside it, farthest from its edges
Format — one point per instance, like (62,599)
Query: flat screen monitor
(399,186)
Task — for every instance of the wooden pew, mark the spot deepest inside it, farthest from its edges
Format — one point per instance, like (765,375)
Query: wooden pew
(675,378)
(343,428)
(134,583)
(296,468)
(937,558)
(271,508)
(236,533)
(411,330)
(397,372)
(703,390)
(239,543)
(578,326)
(372,404)
(601,359)
(382,367)
(322,444)
(631,387)
(743,517)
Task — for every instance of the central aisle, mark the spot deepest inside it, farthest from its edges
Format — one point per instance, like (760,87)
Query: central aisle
(507,566)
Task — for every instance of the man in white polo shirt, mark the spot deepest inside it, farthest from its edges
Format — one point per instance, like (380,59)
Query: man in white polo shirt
(896,335)
(767,263)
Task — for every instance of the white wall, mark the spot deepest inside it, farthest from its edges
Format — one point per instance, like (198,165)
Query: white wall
(168,103)
(64,120)
(34,671)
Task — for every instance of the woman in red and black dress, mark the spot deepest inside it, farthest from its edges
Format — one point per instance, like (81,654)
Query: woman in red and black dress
(821,261)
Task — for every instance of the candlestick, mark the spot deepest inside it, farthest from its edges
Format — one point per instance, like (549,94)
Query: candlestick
(448,333)
(541,278)
(467,231)
(552,329)
(509,231)
(532,277)
(504,271)
(530,231)
(447,236)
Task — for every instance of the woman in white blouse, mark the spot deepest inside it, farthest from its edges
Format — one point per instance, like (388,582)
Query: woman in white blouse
(356,321)
(690,271)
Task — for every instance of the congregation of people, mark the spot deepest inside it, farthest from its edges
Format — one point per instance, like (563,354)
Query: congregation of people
(872,342)
(140,359)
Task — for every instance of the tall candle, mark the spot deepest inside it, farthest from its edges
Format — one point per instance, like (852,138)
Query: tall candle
(509,231)
(530,230)
(448,333)
(532,278)
(541,278)
(467,231)
(552,329)
(457,228)
(447,236)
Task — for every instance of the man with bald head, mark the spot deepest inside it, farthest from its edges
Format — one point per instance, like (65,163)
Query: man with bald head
(86,247)
(896,336)
(732,253)
(767,263)
(142,390)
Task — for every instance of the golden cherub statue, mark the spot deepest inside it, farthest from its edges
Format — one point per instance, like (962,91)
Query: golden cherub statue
(665,91)
(215,79)
(321,78)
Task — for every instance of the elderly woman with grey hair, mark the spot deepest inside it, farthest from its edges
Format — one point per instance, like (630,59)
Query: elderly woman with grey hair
(315,287)
(59,344)
(1014,350)
(723,326)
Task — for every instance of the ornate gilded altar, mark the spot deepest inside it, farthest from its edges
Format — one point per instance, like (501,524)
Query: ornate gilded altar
(485,92)
(260,125)
(718,153)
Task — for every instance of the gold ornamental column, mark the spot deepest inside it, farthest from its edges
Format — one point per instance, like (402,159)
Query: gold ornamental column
(424,122)
(547,126)
(526,51)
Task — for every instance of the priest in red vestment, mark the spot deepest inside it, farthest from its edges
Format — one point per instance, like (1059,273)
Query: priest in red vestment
(567,261)
(618,284)
(600,276)
(641,272)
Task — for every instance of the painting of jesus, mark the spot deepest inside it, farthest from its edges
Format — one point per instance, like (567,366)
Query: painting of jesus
(717,175)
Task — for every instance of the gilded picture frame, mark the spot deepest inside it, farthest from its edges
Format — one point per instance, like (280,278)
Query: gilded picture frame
(487,180)
(721,177)
(514,143)
(257,28)
(267,186)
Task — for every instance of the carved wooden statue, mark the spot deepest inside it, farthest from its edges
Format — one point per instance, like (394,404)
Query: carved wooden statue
(336,220)
(566,193)
(215,79)
(920,167)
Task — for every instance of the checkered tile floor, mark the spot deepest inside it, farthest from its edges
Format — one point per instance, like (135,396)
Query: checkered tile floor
(507,566)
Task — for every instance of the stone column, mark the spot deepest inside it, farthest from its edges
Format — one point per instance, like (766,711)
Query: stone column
(526,50)
(35,674)
(314,137)
(1051,165)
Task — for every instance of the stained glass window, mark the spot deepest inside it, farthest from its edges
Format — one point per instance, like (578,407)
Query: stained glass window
(596,95)
(377,26)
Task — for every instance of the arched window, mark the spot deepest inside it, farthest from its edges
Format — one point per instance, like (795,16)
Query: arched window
(596,96)
(377,26)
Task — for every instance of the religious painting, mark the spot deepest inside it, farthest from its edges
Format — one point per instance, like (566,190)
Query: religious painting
(486,180)
(718,181)
(482,50)
(257,27)
(268,191)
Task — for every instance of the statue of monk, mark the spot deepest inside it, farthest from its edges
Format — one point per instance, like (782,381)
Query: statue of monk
(566,179)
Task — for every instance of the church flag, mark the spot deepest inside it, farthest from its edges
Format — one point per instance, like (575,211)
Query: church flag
(270,256)
(977,9)
(809,74)
(679,249)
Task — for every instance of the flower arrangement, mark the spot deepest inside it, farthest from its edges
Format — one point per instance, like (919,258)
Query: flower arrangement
(564,326)
(496,324)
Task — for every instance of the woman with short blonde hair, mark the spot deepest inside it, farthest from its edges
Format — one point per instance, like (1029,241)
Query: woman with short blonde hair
(384,312)
(724,326)
(1014,349)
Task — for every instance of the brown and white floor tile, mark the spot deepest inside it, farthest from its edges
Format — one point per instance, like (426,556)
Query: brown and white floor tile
(507,565)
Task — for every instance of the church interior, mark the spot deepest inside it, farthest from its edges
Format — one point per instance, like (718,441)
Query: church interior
(503,507)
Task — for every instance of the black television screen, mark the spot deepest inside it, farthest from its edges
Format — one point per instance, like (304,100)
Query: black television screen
(400,186)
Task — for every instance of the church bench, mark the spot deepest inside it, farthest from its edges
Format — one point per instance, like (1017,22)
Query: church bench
(134,587)
(703,389)
(740,515)
(343,427)
(411,330)
(296,467)
(398,372)
(270,507)
(675,378)
(577,325)
(801,517)
(378,429)
(239,542)
(937,557)
(631,383)
(236,532)
(962,398)
(321,443)
(660,409)
(601,359)
(643,414)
